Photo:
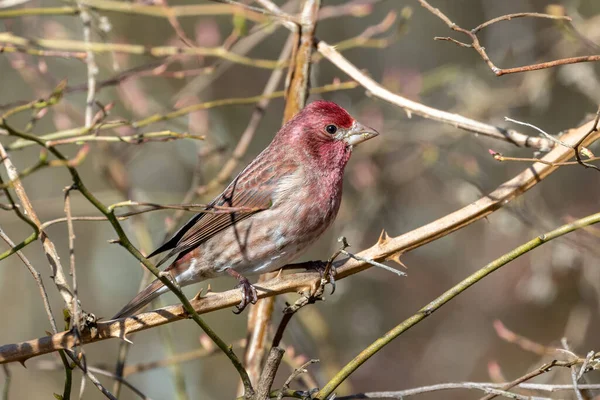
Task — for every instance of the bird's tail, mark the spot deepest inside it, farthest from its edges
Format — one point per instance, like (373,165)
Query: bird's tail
(144,297)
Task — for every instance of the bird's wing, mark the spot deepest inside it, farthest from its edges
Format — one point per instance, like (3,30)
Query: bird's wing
(253,188)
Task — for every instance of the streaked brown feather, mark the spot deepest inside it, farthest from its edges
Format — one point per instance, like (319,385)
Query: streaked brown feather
(254,188)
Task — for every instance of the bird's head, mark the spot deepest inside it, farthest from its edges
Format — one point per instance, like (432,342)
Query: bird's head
(325,133)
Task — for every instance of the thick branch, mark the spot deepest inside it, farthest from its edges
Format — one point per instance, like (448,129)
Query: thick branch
(385,248)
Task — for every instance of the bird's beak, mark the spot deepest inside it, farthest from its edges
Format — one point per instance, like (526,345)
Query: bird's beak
(358,133)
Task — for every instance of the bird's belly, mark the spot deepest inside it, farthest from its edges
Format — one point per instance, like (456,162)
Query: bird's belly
(260,245)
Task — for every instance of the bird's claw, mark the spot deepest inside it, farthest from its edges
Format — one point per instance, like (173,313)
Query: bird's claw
(327,275)
(249,295)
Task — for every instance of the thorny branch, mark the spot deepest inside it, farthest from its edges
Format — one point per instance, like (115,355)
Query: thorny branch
(58,274)
(126,243)
(386,248)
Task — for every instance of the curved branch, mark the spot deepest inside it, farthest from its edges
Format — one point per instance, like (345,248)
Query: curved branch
(387,248)
(412,107)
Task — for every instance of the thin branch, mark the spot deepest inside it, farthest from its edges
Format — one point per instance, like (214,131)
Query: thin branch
(526,344)
(92,68)
(156,51)
(57,270)
(87,373)
(78,132)
(14,207)
(294,375)
(510,17)
(577,145)
(7,380)
(49,365)
(401,394)
(246,138)
(500,157)
(176,359)
(137,9)
(280,17)
(37,277)
(411,107)
(476,45)
(541,370)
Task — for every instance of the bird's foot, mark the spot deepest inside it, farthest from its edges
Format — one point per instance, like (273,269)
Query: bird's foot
(249,294)
(327,274)
(327,271)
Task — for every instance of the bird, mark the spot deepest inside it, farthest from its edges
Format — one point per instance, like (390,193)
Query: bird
(281,203)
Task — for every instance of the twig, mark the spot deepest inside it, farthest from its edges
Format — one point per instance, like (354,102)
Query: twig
(541,370)
(87,373)
(500,157)
(37,277)
(293,376)
(49,248)
(7,380)
(573,367)
(560,142)
(160,136)
(526,344)
(68,374)
(49,365)
(156,51)
(14,207)
(176,359)
(279,17)
(509,17)
(314,293)
(373,263)
(77,322)
(401,394)
(593,129)
(472,34)
(136,9)
(246,138)
(546,135)
(52,99)
(355,8)
(77,132)
(92,68)
(411,107)
(149,69)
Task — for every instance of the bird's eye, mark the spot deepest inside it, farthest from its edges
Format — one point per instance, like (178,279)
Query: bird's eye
(331,129)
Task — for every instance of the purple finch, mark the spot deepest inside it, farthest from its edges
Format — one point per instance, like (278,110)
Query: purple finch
(290,194)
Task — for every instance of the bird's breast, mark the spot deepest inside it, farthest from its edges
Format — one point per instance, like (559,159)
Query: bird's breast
(303,207)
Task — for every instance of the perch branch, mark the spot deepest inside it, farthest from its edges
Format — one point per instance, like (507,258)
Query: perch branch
(386,248)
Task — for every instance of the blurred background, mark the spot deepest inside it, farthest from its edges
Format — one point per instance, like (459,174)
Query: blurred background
(414,173)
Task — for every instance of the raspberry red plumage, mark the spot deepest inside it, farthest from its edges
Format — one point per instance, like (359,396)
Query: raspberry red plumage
(294,188)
